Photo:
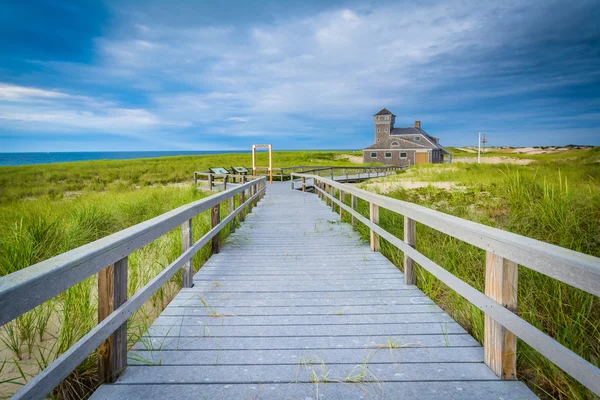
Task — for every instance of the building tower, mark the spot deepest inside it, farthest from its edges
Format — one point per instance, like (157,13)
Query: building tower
(384,123)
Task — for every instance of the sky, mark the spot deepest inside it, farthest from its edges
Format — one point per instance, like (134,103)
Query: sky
(223,75)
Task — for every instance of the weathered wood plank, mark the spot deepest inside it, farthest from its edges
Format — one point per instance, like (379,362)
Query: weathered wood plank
(448,390)
(501,277)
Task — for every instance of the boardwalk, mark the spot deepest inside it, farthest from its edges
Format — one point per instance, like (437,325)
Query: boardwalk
(297,306)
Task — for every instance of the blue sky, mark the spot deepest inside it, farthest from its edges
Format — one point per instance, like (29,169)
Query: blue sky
(216,75)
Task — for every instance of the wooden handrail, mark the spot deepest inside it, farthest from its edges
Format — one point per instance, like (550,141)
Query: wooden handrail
(505,251)
(23,290)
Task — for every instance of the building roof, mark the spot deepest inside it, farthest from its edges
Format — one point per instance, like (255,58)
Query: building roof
(384,111)
(405,138)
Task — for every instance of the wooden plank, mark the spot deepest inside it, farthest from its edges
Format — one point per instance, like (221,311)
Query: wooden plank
(501,277)
(343,200)
(410,238)
(443,390)
(307,343)
(292,357)
(187,271)
(374,217)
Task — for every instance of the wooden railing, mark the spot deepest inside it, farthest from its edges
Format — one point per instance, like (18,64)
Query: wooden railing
(351,173)
(226,178)
(286,173)
(23,290)
(504,252)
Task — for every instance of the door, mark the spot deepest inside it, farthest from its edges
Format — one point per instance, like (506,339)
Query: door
(422,158)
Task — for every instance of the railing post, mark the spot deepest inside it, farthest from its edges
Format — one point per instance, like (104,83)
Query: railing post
(500,345)
(195,180)
(331,173)
(332,197)
(186,243)
(112,292)
(354,200)
(342,200)
(210,182)
(410,238)
(231,210)
(216,218)
(243,200)
(225,182)
(303,184)
(374,213)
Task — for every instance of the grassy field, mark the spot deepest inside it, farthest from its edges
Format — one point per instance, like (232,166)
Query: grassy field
(48,209)
(556,200)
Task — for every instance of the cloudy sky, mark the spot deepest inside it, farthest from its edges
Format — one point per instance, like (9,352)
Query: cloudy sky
(218,75)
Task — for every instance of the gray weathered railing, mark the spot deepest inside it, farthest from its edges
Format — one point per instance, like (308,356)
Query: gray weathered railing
(353,173)
(23,290)
(226,178)
(504,252)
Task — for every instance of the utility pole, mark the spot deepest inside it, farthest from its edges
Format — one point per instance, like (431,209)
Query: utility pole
(484,141)
(479,147)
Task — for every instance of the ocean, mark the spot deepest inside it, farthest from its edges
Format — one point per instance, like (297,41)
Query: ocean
(7,159)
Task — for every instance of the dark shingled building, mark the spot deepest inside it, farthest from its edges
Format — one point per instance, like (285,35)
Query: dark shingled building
(403,146)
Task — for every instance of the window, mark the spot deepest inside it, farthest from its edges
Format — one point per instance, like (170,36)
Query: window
(387,117)
(417,138)
(388,155)
(378,139)
(373,155)
(402,155)
(385,130)
(395,144)
(377,130)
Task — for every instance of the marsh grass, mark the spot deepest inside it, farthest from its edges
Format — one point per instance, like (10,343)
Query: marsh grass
(554,201)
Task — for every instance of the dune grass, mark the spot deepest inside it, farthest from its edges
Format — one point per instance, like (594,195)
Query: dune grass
(556,201)
(71,179)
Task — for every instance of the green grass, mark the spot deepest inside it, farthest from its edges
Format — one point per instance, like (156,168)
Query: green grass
(70,179)
(555,200)
(46,210)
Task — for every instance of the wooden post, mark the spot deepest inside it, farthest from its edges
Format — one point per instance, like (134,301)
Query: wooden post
(374,211)
(331,173)
(500,345)
(186,242)
(333,197)
(354,200)
(210,182)
(342,200)
(231,210)
(112,292)
(216,218)
(225,182)
(346,170)
(410,238)
(303,184)
(242,201)
(195,180)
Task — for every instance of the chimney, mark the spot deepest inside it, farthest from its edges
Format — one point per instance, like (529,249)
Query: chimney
(418,124)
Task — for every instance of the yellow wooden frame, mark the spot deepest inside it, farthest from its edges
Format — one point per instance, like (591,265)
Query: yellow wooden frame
(263,146)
